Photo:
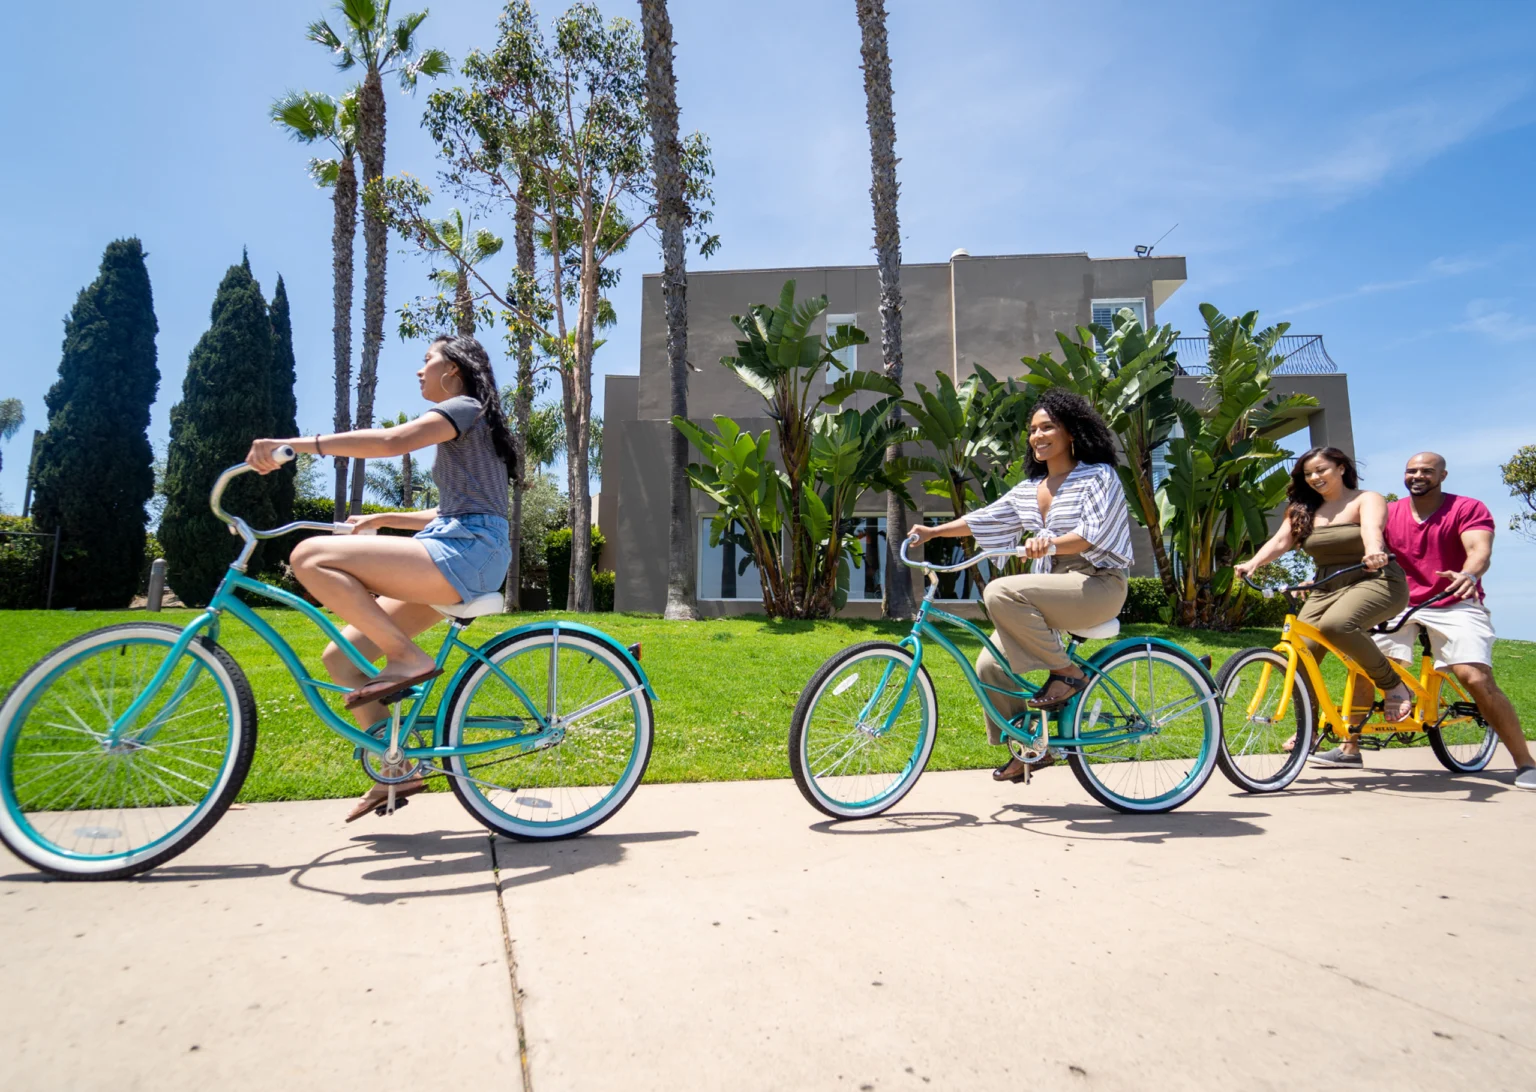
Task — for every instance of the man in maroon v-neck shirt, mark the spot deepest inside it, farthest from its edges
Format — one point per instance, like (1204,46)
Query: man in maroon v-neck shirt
(1444,541)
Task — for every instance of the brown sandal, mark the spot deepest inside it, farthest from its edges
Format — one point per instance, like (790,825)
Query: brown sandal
(1075,684)
(376,799)
(1016,770)
(387,690)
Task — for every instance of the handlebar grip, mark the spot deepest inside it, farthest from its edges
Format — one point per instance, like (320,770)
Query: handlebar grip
(352,529)
(284,454)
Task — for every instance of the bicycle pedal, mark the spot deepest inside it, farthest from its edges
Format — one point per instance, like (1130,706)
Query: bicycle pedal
(383,809)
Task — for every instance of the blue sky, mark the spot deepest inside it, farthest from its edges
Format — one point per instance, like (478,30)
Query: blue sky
(1362,171)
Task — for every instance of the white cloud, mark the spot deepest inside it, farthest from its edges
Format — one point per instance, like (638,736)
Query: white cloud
(1491,319)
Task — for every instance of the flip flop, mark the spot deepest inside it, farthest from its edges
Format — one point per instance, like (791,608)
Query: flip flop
(387,690)
(377,797)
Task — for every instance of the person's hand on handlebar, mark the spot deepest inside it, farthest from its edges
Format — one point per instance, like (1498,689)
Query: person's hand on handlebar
(260,457)
(369,524)
(1037,546)
(1246,570)
(1462,584)
(1376,561)
(921,533)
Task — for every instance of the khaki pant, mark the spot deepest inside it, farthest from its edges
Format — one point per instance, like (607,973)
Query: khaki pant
(1029,609)
(1346,616)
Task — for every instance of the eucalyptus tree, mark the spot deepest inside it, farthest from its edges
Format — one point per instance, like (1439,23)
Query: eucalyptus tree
(883,190)
(313,118)
(557,130)
(368,39)
(672,215)
(458,306)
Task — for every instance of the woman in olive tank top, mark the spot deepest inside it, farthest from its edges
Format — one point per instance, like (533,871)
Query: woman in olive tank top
(1340,525)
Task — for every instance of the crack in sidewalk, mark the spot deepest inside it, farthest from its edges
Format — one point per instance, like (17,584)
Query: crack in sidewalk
(517,993)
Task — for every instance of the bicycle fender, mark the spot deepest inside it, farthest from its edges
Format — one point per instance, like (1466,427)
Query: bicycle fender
(575,627)
(1125,643)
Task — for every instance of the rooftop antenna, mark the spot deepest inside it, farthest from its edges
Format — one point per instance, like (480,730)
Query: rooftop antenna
(1146,251)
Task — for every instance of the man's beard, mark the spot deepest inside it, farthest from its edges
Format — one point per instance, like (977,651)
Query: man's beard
(1419,488)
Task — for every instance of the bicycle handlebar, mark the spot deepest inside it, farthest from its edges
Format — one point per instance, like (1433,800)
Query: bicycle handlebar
(238,526)
(1382,628)
(966,563)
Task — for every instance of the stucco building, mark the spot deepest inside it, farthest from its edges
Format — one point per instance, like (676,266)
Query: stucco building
(969,310)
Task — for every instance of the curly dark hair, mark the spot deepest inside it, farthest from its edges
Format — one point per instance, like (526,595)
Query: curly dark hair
(1305,500)
(1091,440)
(474,365)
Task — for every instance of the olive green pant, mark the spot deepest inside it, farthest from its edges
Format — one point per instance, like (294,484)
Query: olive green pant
(1345,617)
(1030,611)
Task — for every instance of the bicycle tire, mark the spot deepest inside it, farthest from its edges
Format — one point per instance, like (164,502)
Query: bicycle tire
(21,834)
(1158,748)
(824,790)
(572,809)
(1455,755)
(1303,706)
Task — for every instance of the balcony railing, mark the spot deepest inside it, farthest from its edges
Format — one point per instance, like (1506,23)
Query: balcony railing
(1303,355)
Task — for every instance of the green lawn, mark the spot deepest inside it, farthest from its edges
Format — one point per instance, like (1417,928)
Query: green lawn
(726,690)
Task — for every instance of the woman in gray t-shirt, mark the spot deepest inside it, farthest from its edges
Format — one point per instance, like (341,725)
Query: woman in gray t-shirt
(382,586)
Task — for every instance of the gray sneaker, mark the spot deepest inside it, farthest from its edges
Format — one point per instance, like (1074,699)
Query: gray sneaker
(1338,760)
(1526,778)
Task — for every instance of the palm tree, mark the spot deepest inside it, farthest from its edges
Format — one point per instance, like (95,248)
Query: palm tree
(311,118)
(12,417)
(882,193)
(671,218)
(369,40)
(468,248)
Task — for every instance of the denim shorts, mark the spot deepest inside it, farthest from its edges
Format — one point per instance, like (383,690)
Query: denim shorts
(470,551)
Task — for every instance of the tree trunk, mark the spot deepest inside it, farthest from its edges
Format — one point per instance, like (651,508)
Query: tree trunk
(522,406)
(672,214)
(407,486)
(882,193)
(370,146)
(578,431)
(343,237)
(463,304)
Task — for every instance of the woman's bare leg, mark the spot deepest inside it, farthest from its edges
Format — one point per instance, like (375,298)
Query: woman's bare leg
(411,618)
(346,573)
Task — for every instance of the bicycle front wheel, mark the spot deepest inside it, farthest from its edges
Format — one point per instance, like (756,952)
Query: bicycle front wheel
(78,805)
(600,719)
(1157,718)
(1462,740)
(1253,738)
(861,735)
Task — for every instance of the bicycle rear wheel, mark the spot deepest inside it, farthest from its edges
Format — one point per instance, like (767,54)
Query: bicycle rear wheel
(1462,740)
(850,757)
(1160,699)
(78,806)
(1253,756)
(601,712)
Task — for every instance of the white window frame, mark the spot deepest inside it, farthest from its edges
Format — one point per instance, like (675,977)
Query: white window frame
(1136,303)
(701,551)
(849,354)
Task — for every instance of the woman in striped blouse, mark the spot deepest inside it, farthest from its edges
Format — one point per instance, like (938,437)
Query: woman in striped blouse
(1073,507)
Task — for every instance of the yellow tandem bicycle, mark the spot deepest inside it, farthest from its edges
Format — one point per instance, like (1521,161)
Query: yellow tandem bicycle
(1276,696)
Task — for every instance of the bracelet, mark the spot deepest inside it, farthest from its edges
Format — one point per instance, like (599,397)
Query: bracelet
(317,445)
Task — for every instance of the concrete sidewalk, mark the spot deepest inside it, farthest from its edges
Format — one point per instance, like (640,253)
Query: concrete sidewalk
(1363,930)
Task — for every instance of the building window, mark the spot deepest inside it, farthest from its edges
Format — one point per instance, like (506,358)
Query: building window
(726,571)
(962,586)
(864,575)
(848,355)
(1104,311)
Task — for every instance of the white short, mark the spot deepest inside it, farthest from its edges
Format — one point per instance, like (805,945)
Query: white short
(1460,633)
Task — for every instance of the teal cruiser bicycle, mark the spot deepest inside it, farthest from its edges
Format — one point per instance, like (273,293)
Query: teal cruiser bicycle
(123,747)
(1142,736)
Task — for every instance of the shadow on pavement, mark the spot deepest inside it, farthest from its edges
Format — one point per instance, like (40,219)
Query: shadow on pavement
(1079,821)
(1469,788)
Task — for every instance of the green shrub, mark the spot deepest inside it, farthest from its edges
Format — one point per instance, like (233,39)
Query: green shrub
(557,554)
(23,566)
(602,591)
(1145,601)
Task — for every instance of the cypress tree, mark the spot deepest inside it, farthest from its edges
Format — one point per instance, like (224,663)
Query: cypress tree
(226,402)
(285,410)
(95,467)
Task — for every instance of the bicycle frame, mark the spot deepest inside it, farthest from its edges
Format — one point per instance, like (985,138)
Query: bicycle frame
(1293,634)
(545,733)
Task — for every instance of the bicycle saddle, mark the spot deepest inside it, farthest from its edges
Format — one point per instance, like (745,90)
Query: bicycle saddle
(489,603)
(1101,632)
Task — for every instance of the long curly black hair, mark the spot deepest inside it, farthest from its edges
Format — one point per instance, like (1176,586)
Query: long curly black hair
(1305,501)
(1091,439)
(474,364)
